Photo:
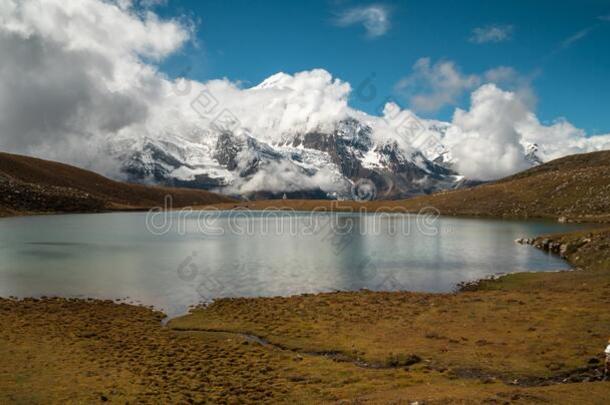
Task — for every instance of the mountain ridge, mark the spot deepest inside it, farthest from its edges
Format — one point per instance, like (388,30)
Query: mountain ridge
(573,188)
(326,163)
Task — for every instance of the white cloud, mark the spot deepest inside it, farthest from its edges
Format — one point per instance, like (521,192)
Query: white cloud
(153,3)
(491,33)
(568,42)
(431,86)
(508,78)
(281,105)
(500,74)
(559,139)
(74,71)
(284,176)
(374,18)
(487,141)
(484,140)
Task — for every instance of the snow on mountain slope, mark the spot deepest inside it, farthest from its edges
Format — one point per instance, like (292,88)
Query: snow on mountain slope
(320,164)
(294,134)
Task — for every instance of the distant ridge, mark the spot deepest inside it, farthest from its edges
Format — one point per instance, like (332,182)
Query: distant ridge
(31,185)
(572,188)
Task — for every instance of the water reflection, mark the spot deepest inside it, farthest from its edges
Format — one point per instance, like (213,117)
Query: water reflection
(254,254)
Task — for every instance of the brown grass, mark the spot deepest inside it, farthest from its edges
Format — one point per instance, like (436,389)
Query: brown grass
(60,351)
(30,185)
(537,329)
(526,327)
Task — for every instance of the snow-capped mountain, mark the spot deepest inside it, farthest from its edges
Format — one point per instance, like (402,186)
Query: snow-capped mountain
(297,135)
(316,164)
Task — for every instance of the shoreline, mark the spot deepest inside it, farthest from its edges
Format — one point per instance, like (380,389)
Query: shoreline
(527,336)
(408,206)
(458,287)
(387,206)
(591,223)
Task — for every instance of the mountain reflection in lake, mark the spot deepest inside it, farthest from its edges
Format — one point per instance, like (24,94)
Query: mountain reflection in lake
(180,259)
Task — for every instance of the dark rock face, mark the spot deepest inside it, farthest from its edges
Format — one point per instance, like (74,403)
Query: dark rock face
(200,182)
(532,155)
(227,149)
(398,176)
(137,169)
(244,154)
(346,146)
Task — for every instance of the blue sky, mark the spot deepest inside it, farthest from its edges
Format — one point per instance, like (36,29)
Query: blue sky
(560,48)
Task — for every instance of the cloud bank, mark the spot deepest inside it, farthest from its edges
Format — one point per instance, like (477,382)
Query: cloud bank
(484,140)
(80,78)
(488,140)
(74,72)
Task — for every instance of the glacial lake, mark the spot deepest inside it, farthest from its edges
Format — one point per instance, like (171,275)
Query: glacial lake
(173,260)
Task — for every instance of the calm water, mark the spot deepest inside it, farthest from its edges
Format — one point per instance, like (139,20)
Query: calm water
(177,260)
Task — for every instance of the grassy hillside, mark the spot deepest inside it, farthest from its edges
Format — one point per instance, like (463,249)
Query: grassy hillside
(30,185)
(575,187)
